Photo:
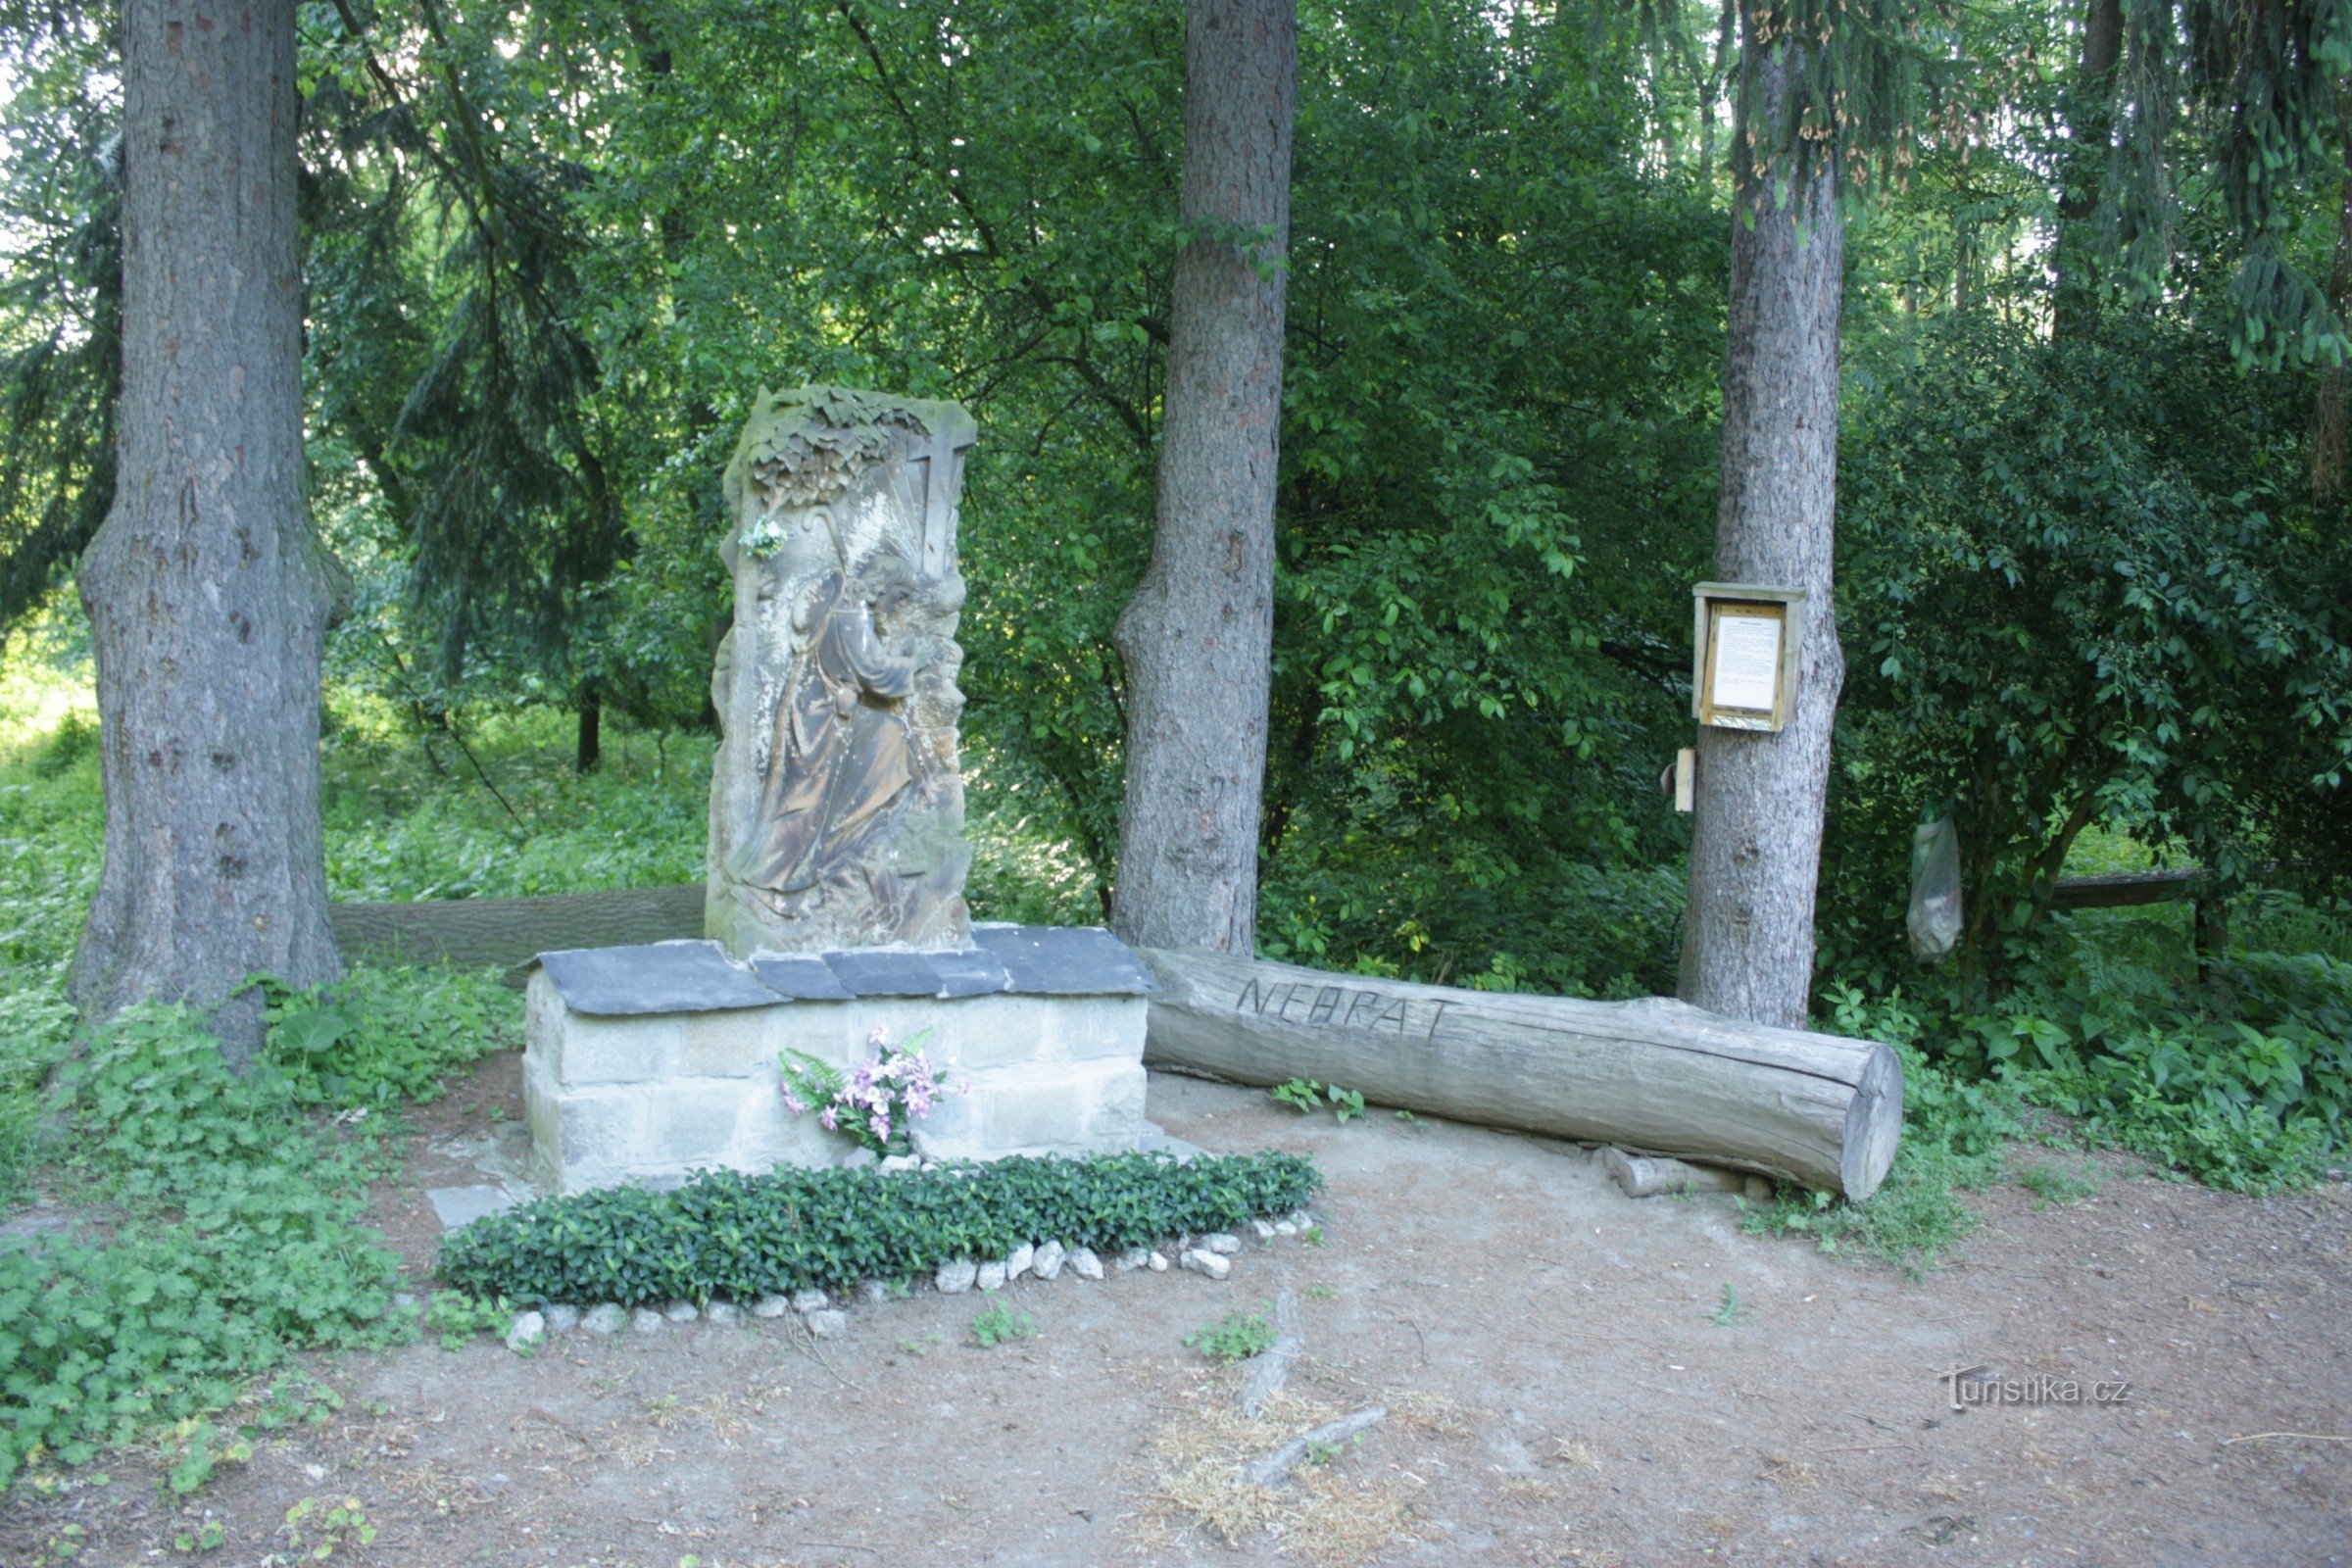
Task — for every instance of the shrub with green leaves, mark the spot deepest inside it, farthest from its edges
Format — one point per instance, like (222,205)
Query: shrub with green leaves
(236,1237)
(725,1234)
(382,1035)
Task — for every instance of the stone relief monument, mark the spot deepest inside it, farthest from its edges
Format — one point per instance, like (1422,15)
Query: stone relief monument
(834,914)
(836,800)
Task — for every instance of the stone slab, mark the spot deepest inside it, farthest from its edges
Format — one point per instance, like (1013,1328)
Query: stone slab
(886,972)
(679,977)
(659,977)
(800,978)
(976,973)
(460,1207)
(1066,960)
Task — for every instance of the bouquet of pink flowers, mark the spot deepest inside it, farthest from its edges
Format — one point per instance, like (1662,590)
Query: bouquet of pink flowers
(877,1103)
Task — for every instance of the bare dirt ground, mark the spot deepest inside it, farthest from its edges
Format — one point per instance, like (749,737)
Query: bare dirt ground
(1567,1379)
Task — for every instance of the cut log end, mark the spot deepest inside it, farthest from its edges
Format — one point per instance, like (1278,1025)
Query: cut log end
(1873,1125)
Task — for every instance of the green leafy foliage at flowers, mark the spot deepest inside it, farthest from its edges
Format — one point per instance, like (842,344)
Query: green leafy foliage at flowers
(730,1235)
(875,1103)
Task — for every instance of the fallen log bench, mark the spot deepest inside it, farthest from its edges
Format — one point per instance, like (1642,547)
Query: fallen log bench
(1652,1077)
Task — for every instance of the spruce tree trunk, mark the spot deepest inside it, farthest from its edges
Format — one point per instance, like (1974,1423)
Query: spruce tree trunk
(207,596)
(1755,851)
(1197,636)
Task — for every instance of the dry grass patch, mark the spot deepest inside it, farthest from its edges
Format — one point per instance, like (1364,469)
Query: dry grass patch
(1342,1521)
(1325,1514)
(1431,1413)
(1575,1451)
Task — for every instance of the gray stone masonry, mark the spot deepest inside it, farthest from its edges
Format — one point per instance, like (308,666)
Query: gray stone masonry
(649,1097)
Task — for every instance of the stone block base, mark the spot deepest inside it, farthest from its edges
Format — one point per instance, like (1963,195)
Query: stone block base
(649,1097)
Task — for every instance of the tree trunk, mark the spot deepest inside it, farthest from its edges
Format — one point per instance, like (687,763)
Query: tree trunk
(1755,851)
(590,752)
(2082,170)
(1197,636)
(207,596)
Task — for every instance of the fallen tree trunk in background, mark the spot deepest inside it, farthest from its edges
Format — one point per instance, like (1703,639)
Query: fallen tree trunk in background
(1655,1076)
(477,933)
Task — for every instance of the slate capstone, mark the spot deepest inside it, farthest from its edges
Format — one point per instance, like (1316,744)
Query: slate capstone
(976,973)
(697,976)
(800,978)
(885,972)
(659,977)
(1066,960)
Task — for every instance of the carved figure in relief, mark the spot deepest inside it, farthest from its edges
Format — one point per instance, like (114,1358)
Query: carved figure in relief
(837,804)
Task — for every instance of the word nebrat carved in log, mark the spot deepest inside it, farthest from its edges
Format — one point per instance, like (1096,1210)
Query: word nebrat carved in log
(837,796)
(1337,1006)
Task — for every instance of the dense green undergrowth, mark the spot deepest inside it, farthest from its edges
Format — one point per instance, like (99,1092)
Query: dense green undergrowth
(218,1221)
(220,1231)
(737,1237)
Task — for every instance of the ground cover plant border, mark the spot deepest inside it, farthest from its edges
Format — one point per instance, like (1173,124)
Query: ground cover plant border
(727,1235)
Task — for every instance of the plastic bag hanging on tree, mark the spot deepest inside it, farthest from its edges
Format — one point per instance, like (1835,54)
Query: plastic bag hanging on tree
(1933,918)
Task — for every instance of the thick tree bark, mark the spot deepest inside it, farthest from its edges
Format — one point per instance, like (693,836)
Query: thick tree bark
(1755,851)
(207,596)
(1197,636)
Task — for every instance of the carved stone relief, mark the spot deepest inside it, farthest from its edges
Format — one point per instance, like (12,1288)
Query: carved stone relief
(837,796)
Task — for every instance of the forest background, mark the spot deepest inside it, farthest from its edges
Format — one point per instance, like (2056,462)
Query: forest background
(2094,574)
